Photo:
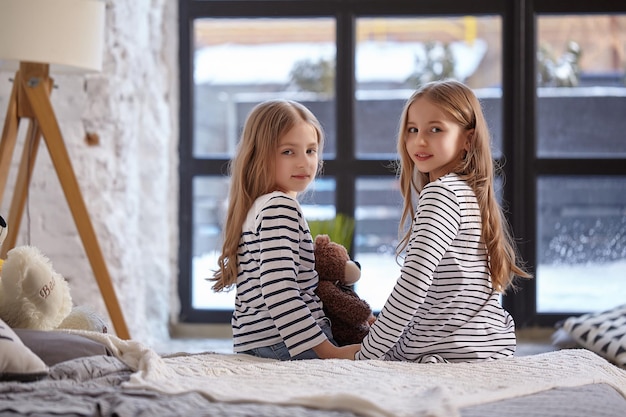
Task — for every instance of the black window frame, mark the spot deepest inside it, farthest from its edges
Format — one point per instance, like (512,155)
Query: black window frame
(521,166)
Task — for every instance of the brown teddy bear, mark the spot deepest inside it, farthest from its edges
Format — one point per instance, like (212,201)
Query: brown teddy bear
(350,316)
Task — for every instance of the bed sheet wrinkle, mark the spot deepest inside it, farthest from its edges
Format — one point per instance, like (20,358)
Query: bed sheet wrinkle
(50,397)
(68,400)
(145,404)
(402,389)
(73,388)
(214,382)
(597,400)
(102,370)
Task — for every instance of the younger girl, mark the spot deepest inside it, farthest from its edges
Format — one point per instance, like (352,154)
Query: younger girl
(268,248)
(459,254)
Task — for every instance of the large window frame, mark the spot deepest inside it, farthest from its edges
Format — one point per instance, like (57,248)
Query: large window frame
(521,166)
(528,167)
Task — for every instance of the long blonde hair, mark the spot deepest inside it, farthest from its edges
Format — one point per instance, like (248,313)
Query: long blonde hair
(252,173)
(477,169)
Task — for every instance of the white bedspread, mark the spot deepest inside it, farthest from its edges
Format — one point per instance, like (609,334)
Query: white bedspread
(370,388)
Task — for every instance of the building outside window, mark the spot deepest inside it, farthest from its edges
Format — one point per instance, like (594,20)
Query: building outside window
(564,178)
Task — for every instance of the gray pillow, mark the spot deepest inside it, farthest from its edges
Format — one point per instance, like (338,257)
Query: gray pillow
(57,346)
(17,361)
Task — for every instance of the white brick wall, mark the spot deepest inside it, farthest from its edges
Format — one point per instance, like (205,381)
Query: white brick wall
(129,180)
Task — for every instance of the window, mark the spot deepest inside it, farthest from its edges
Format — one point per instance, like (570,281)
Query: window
(239,62)
(354,65)
(581,207)
(414,49)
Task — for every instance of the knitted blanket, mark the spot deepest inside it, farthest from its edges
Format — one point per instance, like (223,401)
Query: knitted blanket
(370,388)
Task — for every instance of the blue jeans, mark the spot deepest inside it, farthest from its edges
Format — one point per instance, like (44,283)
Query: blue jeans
(279,350)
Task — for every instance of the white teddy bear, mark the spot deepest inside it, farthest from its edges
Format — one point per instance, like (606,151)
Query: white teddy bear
(34,296)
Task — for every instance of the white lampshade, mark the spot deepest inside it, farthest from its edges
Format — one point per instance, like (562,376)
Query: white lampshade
(67,34)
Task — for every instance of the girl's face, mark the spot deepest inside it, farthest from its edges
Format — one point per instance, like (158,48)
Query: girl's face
(297,159)
(433,140)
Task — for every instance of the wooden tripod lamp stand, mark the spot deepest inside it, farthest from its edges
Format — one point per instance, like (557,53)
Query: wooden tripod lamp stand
(39,35)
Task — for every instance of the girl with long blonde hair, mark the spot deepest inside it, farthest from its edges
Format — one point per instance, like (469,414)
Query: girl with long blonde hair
(267,250)
(459,255)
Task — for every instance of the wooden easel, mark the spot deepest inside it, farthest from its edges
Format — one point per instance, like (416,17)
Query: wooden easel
(30,98)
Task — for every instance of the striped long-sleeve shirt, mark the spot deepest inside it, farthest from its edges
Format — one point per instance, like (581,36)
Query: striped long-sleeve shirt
(276,279)
(442,307)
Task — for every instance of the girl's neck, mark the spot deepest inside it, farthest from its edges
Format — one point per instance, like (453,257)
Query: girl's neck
(292,194)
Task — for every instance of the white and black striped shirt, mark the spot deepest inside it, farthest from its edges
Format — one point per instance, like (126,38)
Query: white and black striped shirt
(276,279)
(442,307)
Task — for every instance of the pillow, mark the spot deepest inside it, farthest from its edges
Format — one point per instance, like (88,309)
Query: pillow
(18,362)
(57,346)
(603,333)
(561,339)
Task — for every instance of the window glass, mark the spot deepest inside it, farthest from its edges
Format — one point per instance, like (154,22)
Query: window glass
(241,62)
(210,205)
(378,210)
(209,212)
(581,91)
(417,50)
(318,202)
(581,243)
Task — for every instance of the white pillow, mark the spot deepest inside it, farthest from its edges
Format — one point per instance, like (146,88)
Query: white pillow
(603,333)
(18,362)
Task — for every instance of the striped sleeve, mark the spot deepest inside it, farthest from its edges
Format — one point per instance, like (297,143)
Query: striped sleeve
(435,226)
(279,230)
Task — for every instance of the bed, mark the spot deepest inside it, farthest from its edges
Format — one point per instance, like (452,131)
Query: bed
(102,375)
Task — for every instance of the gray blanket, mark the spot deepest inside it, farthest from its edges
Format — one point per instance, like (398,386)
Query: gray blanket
(91,386)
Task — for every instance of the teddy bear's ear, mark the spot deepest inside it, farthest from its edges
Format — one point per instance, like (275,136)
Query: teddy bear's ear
(322,239)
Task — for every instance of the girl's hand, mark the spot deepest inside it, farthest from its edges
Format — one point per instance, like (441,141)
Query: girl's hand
(351,350)
(327,350)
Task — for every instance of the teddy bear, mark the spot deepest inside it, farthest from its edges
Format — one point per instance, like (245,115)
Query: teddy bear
(350,316)
(34,296)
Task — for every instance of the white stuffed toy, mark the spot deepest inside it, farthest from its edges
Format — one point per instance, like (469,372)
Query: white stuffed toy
(34,296)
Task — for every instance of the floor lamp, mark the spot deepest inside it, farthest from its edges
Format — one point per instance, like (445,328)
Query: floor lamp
(44,36)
